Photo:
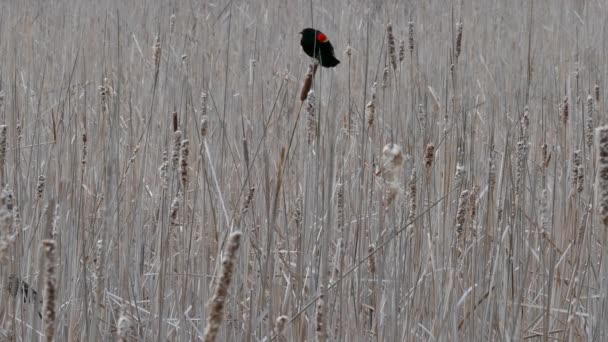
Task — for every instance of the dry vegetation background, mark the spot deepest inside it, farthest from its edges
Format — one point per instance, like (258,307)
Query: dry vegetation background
(454,200)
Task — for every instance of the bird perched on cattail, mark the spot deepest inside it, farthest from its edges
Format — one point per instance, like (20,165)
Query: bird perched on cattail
(316,44)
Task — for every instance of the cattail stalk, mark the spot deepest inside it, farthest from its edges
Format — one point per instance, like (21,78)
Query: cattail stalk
(311,120)
(589,122)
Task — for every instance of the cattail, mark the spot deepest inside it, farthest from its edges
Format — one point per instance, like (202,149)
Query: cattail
(472,205)
(279,325)
(7,238)
(577,160)
(156,52)
(429,156)
(308,78)
(163,170)
(171,23)
(371,262)
(458,39)
(581,232)
(580,179)
(311,121)
(216,304)
(565,111)
(177,143)
(184,162)
(204,126)
(391,45)
(102,100)
(589,132)
(340,206)
(602,180)
(401,50)
(544,211)
(370,108)
(50,288)
(1,98)
(421,114)
(320,320)
(40,186)
(83,158)
(19,131)
(597,92)
(411,36)
(3,141)
(461,212)
(521,160)
(123,327)
(491,175)
(248,200)
(411,185)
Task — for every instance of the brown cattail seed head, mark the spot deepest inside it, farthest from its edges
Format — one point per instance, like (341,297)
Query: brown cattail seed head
(385,77)
(50,288)
(565,111)
(589,130)
(458,39)
(371,262)
(203,104)
(340,206)
(163,170)
(40,186)
(184,162)
(429,156)
(3,143)
(577,161)
(411,36)
(461,212)
(597,92)
(204,126)
(391,45)
(175,121)
(401,50)
(601,190)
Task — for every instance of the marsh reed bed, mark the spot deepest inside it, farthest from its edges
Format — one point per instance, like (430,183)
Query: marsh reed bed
(180,171)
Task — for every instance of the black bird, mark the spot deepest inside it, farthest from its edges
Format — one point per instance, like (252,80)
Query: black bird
(316,44)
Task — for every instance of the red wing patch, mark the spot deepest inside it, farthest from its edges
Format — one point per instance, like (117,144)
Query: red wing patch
(322,37)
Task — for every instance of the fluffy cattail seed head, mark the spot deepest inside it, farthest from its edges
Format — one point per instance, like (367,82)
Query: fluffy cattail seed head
(597,92)
(461,212)
(311,120)
(216,303)
(177,143)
